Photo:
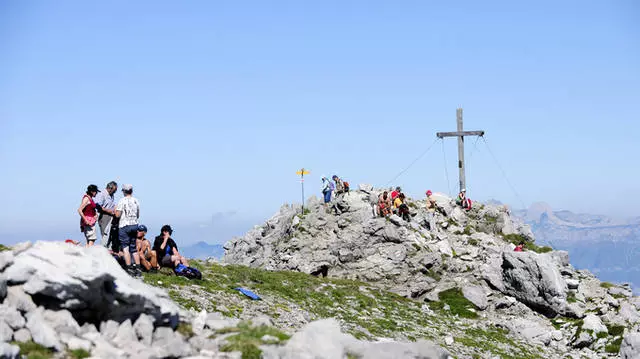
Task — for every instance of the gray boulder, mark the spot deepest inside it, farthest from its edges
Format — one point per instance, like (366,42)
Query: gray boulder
(87,282)
(476,295)
(6,333)
(593,323)
(41,331)
(9,351)
(22,335)
(17,298)
(170,343)
(11,316)
(144,329)
(534,279)
(630,348)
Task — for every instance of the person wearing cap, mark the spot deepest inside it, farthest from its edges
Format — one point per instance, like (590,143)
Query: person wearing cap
(167,249)
(88,218)
(128,212)
(431,210)
(148,258)
(339,184)
(106,209)
(462,199)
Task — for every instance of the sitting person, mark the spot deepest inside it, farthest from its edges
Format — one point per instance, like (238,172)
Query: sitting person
(396,193)
(519,247)
(167,249)
(463,201)
(403,209)
(384,204)
(148,257)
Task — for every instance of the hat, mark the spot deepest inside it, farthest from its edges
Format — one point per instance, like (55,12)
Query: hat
(127,187)
(92,188)
(463,190)
(142,228)
(429,193)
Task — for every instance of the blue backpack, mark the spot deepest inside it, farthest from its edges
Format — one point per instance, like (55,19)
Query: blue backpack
(187,272)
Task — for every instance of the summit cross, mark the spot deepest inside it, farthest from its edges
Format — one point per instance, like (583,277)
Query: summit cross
(460,134)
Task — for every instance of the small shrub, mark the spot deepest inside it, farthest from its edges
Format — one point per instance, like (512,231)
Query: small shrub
(517,238)
(602,335)
(4,248)
(79,354)
(607,285)
(473,242)
(468,230)
(571,297)
(185,329)
(458,304)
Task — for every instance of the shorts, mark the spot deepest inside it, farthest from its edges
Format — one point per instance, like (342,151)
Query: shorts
(90,233)
(127,236)
(166,261)
(327,197)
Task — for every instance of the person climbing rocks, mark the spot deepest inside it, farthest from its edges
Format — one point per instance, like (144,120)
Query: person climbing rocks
(327,188)
(339,185)
(384,204)
(148,257)
(431,210)
(128,212)
(519,247)
(462,200)
(167,249)
(88,217)
(106,209)
(403,209)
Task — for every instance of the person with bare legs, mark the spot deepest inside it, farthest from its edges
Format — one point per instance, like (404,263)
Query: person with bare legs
(167,249)
(88,215)
(128,212)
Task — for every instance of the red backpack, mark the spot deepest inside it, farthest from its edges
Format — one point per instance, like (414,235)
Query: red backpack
(346,186)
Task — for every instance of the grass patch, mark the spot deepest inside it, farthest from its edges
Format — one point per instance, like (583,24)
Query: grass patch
(528,245)
(601,335)
(32,350)
(468,230)
(473,242)
(185,329)
(614,346)
(571,297)
(79,354)
(615,330)
(452,222)
(607,285)
(495,340)
(458,304)
(4,248)
(249,339)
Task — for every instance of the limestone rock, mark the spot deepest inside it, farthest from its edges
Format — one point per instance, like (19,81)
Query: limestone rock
(476,295)
(88,282)
(22,335)
(534,280)
(197,325)
(18,299)
(6,333)
(11,316)
(6,259)
(144,329)
(41,331)
(9,351)
(170,343)
(593,323)
(630,348)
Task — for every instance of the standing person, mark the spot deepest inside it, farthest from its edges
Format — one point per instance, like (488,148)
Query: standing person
(167,249)
(148,257)
(88,218)
(107,209)
(128,212)
(431,210)
(326,190)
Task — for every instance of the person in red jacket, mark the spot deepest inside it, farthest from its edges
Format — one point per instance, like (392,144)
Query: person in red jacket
(519,247)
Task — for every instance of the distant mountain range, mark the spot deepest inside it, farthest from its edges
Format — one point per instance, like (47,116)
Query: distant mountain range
(606,246)
(203,250)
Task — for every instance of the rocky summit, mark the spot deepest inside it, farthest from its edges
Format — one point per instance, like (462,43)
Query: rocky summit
(478,298)
(331,284)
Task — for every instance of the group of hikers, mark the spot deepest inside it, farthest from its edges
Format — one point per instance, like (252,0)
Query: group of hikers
(394,202)
(122,233)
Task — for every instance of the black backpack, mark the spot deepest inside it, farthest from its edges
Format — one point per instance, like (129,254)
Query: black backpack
(187,272)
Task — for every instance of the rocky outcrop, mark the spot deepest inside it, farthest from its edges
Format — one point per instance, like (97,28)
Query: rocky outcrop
(630,348)
(526,292)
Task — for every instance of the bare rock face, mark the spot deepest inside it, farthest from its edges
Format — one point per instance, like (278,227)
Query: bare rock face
(85,281)
(630,347)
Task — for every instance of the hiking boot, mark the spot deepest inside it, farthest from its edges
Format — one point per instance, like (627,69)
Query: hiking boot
(137,272)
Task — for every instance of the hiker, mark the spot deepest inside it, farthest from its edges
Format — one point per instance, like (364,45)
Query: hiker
(148,257)
(431,210)
(128,213)
(327,188)
(462,200)
(519,247)
(402,208)
(342,187)
(106,209)
(384,204)
(167,249)
(88,218)
(396,193)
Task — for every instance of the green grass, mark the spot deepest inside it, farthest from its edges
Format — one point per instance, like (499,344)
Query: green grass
(601,335)
(458,304)
(607,285)
(185,329)
(496,341)
(248,340)
(4,248)
(472,241)
(78,354)
(571,297)
(614,346)
(32,350)
(528,245)
(615,330)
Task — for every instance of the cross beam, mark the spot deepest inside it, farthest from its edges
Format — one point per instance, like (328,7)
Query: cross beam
(460,134)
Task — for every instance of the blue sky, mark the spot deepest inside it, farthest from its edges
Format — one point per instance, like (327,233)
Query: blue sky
(208,108)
